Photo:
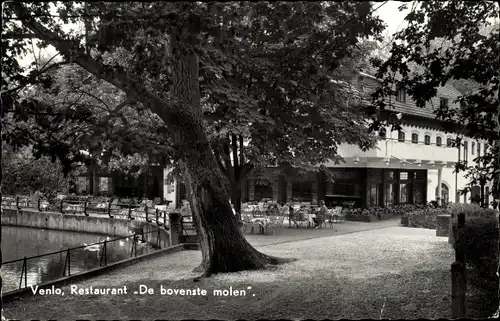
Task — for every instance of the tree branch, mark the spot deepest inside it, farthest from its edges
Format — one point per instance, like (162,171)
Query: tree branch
(166,107)
(234,144)
(227,160)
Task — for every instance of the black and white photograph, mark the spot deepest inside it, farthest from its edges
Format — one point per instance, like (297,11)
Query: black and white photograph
(244,160)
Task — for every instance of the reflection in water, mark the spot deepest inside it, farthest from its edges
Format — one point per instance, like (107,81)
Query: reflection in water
(19,242)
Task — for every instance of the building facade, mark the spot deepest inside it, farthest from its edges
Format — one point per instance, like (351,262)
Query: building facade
(412,166)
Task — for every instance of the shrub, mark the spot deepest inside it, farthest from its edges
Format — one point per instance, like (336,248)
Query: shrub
(425,218)
(480,240)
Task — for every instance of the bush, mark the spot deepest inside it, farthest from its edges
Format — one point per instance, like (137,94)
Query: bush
(480,237)
(385,212)
(425,218)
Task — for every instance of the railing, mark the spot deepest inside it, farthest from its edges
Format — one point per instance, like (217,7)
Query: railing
(128,211)
(66,270)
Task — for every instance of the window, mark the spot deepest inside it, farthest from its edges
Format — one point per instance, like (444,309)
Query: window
(262,189)
(445,194)
(373,194)
(438,141)
(472,148)
(462,107)
(401,95)
(103,184)
(401,136)
(478,149)
(414,138)
(403,193)
(302,191)
(390,190)
(449,142)
(427,140)
(418,193)
(466,151)
(443,103)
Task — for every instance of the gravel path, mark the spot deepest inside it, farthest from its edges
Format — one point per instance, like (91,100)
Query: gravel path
(401,272)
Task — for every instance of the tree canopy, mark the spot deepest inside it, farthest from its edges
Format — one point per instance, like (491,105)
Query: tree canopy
(467,57)
(274,81)
(265,71)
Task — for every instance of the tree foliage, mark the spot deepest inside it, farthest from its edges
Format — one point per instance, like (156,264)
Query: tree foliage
(467,57)
(273,79)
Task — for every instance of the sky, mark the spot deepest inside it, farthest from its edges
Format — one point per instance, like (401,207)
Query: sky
(390,14)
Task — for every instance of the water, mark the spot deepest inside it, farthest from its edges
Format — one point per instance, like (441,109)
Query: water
(19,242)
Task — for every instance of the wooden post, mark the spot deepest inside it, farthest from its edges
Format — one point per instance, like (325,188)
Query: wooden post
(458,278)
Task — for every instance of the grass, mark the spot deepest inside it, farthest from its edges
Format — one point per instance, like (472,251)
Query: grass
(405,273)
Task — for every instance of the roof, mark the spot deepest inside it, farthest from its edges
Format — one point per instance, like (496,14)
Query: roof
(409,107)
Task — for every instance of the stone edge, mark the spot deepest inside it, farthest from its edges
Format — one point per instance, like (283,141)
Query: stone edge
(17,294)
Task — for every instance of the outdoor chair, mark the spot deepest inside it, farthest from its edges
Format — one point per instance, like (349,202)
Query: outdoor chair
(248,223)
(275,221)
(341,214)
(300,219)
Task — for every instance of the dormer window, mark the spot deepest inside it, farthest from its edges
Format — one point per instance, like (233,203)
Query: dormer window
(401,95)
(462,107)
(443,103)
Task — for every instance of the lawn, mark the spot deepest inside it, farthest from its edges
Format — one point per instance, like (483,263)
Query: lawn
(390,273)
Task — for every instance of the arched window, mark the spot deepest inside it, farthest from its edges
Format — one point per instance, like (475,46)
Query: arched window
(414,138)
(401,136)
(466,151)
(445,193)
(439,141)
(427,140)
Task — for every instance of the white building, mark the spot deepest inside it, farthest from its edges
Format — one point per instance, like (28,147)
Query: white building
(415,165)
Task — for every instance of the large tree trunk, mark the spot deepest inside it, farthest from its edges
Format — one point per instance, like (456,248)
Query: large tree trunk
(222,243)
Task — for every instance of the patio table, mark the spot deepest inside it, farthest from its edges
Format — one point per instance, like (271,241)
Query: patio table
(263,223)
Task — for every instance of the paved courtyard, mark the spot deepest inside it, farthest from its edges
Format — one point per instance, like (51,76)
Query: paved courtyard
(388,272)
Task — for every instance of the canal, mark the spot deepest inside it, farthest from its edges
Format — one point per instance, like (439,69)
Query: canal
(20,242)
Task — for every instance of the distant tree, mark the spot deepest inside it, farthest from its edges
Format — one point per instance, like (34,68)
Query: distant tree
(23,174)
(470,56)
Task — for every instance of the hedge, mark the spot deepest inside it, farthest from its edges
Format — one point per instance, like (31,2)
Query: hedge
(481,237)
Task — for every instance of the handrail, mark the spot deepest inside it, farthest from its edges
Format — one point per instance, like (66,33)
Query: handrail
(76,248)
(85,206)
(67,263)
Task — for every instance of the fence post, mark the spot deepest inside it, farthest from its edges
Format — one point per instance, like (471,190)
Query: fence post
(25,272)
(175,227)
(458,277)
(105,253)
(69,262)
(85,208)
(147,217)
(130,211)
(17,203)
(109,210)
(39,205)
(157,218)
(22,273)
